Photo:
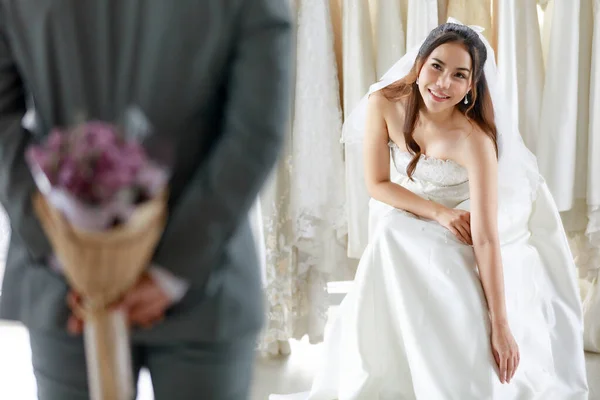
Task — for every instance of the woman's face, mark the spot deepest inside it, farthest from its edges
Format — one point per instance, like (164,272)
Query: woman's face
(445,77)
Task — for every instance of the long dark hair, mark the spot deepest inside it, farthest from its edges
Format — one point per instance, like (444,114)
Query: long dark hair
(479,110)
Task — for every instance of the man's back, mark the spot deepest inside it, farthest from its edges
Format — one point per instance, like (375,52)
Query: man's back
(212,78)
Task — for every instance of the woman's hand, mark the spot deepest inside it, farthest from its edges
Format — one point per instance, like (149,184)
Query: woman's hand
(456,221)
(506,351)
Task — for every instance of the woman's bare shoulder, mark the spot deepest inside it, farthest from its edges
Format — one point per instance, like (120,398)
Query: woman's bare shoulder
(478,146)
(379,100)
(390,109)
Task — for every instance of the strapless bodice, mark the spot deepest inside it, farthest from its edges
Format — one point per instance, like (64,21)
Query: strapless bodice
(442,181)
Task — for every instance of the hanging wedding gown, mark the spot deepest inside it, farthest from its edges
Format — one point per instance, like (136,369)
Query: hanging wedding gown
(547,8)
(317,193)
(390,39)
(593,193)
(588,237)
(358,51)
(359,74)
(564,118)
(568,132)
(521,64)
(303,205)
(364,64)
(317,199)
(286,312)
(415,325)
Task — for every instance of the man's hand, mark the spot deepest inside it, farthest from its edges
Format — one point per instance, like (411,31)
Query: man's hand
(75,321)
(145,304)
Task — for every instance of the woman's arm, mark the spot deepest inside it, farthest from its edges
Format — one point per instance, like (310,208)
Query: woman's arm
(482,165)
(377,166)
(480,160)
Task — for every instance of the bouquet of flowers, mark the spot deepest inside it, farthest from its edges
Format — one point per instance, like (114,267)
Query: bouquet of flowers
(102,202)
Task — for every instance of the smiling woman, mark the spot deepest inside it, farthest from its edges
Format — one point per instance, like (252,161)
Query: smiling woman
(444,80)
(467,287)
(448,72)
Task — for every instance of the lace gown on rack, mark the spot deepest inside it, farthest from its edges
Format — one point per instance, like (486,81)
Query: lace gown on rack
(303,205)
(415,324)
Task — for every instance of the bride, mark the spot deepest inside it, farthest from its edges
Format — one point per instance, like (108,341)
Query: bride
(467,289)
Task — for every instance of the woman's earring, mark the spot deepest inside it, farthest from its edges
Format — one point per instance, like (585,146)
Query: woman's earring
(417,81)
(466,98)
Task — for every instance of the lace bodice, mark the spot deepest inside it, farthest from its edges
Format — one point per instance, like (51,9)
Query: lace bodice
(443,181)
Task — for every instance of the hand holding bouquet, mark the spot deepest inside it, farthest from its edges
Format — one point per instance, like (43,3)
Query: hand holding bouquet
(102,202)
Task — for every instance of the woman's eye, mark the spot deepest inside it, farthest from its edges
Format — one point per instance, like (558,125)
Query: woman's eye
(436,66)
(461,76)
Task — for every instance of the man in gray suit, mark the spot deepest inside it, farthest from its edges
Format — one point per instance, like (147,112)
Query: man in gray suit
(213,78)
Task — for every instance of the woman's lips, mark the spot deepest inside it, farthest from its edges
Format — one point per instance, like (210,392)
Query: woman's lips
(439,97)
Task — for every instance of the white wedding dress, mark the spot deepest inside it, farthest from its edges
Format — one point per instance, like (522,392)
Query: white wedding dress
(415,324)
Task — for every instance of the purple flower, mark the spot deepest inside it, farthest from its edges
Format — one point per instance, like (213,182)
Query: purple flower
(95,165)
(72,178)
(100,134)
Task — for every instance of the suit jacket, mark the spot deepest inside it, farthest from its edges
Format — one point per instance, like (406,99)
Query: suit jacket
(213,77)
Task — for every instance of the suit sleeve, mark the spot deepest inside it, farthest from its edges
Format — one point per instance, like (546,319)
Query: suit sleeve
(223,189)
(16,182)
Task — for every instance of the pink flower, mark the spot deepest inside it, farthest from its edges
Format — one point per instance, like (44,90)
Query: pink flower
(100,134)
(93,164)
